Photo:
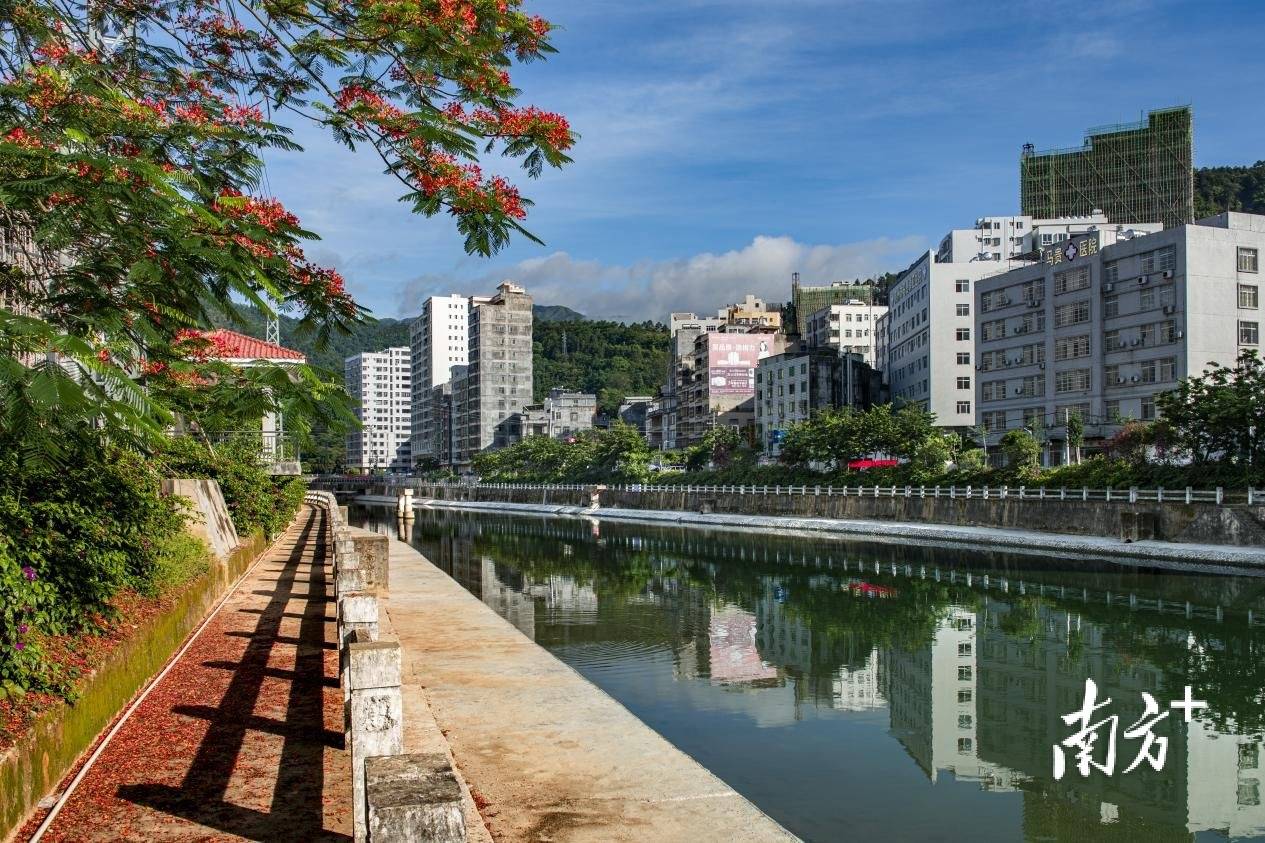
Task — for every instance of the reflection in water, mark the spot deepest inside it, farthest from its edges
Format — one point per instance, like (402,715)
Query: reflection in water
(893,692)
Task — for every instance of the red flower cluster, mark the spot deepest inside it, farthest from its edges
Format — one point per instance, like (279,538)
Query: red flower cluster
(267,213)
(526,122)
(22,138)
(240,115)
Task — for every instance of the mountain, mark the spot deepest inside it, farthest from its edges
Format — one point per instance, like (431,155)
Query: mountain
(555,313)
(1220,189)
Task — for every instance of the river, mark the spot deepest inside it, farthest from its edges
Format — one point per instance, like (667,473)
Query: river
(895,691)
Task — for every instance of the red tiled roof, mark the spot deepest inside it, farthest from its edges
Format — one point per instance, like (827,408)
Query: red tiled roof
(230,345)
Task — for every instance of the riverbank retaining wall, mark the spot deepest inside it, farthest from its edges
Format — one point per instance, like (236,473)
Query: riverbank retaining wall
(1199,523)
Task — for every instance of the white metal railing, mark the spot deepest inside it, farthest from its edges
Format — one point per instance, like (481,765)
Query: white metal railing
(1133,494)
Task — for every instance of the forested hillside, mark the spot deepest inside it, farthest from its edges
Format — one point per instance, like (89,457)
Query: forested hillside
(610,359)
(1220,189)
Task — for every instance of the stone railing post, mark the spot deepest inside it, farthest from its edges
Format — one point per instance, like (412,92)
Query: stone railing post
(413,797)
(375,720)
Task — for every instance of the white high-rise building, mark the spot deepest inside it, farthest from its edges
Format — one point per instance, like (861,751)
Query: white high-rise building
(438,342)
(379,383)
(928,335)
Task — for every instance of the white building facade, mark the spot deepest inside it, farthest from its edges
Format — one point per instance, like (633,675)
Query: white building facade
(438,343)
(1008,239)
(379,383)
(849,328)
(1101,325)
(928,336)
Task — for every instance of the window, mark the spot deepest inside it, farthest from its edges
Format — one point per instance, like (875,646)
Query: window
(1249,790)
(1168,331)
(964,649)
(1069,347)
(994,420)
(965,673)
(1248,260)
(1072,313)
(1111,340)
(1148,409)
(1249,333)
(963,334)
(965,695)
(964,310)
(1072,279)
(1111,272)
(1248,296)
(965,745)
(962,286)
(1110,306)
(1249,753)
(992,390)
(964,383)
(1157,371)
(964,408)
(1112,409)
(1111,375)
(1146,299)
(1073,380)
(964,358)
(994,330)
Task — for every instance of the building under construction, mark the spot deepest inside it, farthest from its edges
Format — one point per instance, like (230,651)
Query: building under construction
(805,301)
(1133,172)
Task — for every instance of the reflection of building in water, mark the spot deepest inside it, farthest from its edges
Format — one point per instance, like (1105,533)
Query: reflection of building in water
(1224,774)
(857,688)
(507,597)
(840,671)
(564,594)
(1033,663)
(932,695)
(732,649)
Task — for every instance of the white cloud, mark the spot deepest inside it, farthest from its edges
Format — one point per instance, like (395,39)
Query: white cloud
(701,283)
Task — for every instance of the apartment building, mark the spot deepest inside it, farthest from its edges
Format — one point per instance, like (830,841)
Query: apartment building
(379,383)
(437,344)
(795,385)
(561,415)
(498,379)
(1103,324)
(927,337)
(718,389)
(848,328)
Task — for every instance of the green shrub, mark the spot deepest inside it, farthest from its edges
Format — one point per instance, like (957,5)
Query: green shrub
(256,500)
(70,540)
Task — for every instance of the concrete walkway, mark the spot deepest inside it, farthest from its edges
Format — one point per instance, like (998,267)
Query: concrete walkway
(243,738)
(547,755)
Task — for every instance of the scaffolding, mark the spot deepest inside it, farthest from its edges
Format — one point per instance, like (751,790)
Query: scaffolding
(805,301)
(1133,172)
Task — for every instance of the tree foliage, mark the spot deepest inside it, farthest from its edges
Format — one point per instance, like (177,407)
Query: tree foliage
(617,455)
(1219,415)
(609,359)
(130,169)
(837,437)
(1239,189)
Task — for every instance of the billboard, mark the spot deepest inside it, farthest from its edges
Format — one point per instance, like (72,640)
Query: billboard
(732,651)
(731,361)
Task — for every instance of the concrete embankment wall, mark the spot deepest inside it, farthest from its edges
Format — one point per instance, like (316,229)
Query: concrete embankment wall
(1196,523)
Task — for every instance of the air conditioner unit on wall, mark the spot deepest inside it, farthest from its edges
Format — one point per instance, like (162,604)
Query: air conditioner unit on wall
(1168,273)
(1145,279)
(1107,288)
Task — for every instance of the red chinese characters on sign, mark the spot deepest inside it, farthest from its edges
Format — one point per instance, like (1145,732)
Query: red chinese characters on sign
(731,362)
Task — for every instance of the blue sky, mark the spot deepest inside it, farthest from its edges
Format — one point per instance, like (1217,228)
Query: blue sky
(726,144)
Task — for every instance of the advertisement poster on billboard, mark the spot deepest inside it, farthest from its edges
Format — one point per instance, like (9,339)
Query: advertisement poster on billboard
(731,362)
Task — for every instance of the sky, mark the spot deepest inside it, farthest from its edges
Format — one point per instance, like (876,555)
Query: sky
(725,144)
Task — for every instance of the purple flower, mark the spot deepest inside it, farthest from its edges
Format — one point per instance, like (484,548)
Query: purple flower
(22,628)
(29,573)
(21,645)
